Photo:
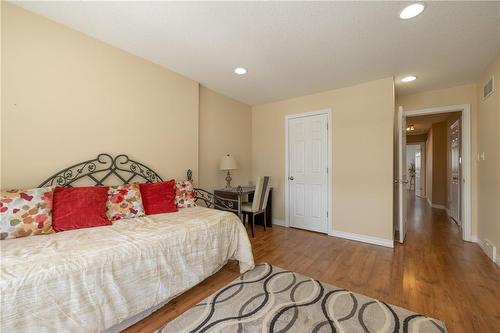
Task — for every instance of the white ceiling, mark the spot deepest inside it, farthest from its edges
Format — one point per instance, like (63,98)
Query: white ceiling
(294,48)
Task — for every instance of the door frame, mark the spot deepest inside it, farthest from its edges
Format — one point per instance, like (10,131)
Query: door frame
(329,143)
(466,181)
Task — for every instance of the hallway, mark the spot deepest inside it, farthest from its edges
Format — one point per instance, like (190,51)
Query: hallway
(434,273)
(462,282)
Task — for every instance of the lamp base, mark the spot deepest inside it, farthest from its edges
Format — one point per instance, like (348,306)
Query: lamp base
(228,179)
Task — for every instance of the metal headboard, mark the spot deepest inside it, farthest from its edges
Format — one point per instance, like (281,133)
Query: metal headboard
(102,167)
(126,170)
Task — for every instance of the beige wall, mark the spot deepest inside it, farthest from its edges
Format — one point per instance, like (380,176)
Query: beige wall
(225,127)
(67,97)
(489,168)
(439,164)
(464,94)
(428,166)
(362,153)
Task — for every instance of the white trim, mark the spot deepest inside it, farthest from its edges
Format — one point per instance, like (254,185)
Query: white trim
(401,175)
(328,112)
(495,258)
(438,206)
(362,238)
(279,222)
(435,205)
(466,186)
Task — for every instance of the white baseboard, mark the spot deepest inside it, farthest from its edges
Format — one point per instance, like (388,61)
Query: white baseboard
(362,238)
(438,206)
(435,205)
(490,250)
(279,222)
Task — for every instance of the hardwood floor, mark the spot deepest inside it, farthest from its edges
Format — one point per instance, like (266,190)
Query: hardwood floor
(434,273)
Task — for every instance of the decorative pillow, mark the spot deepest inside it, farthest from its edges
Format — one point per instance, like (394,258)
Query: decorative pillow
(26,212)
(184,194)
(124,202)
(79,207)
(159,198)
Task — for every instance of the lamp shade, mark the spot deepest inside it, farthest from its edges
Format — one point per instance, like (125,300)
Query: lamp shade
(228,163)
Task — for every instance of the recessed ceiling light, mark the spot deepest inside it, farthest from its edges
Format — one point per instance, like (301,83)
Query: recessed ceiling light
(409,78)
(412,10)
(240,70)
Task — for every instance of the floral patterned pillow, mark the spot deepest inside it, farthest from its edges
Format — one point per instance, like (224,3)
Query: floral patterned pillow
(26,212)
(184,194)
(124,202)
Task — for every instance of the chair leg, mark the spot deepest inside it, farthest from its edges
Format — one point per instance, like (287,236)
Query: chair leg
(253,224)
(265,220)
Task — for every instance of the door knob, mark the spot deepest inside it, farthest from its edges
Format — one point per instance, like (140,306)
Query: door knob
(291,178)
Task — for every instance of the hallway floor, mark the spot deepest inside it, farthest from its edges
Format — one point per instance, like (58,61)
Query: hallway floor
(434,273)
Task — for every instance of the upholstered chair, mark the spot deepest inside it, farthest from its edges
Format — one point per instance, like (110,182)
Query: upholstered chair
(258,204)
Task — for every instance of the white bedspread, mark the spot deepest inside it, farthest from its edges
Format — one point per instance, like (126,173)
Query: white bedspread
(88,280)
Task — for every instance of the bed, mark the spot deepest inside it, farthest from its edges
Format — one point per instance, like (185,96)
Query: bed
(107,278)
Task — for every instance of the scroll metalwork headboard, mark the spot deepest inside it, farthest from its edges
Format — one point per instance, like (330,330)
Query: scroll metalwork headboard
(212,200)
(101,168)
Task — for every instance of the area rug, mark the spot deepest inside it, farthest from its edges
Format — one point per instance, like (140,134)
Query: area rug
(270,299)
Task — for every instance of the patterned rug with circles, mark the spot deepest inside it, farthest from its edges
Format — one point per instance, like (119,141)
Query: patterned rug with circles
(270,299)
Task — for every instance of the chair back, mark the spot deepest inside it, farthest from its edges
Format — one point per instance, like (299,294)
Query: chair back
(261,194)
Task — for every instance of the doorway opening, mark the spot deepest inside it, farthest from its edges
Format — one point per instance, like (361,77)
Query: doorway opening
(415,162)
(433,160)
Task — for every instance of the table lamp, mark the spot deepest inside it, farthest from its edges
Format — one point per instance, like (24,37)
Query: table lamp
(228,163)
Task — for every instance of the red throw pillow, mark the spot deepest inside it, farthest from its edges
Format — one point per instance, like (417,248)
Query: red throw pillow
(158,197)
(79,207)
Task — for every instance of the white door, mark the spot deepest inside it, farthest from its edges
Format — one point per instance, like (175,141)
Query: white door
(307,172)
(401,176)
(454,171)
